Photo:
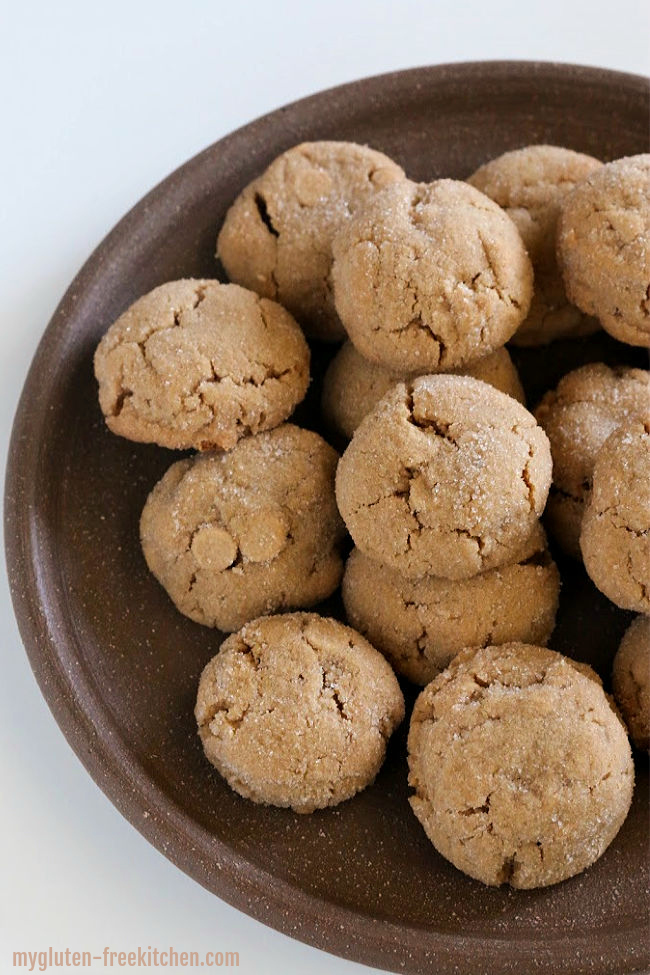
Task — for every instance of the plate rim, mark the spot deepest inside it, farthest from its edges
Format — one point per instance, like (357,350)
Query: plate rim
(242,883)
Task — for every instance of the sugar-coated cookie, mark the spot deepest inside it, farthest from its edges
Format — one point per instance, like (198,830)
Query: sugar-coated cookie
(530,184)
(604,247)
(631,680)
(353,385)
(615,535)
(232,536)
(277,235)
(578,416)
(430,276)
(521,767)
(296,710)
(421,625)
(200,364)
(446,476)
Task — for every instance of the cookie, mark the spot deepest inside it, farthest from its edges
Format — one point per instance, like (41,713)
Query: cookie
(447,477)
(522,769)
(603,247)
(615,536)
(277,235)
(233,536)
(631,681)
(421,626)
(428,277)
(200,364)
(530,184)
(578,416)
(353,386)
(296,711)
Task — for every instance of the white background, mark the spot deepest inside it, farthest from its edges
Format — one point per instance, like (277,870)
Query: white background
(99,102)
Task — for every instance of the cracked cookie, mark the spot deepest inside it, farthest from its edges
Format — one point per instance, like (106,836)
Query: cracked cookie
(530,184)
(631,680)
(578,416)
(604,247)
(277,235)
(421,625)
(296,711)
(521,767)
(200,364)
(353,386)
(232,536)
(428,277)
(447,477)
(615,536)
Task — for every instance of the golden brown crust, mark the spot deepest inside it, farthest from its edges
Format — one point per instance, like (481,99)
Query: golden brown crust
(296,711)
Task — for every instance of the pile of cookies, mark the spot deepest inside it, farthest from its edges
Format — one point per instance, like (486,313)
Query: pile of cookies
(520,763)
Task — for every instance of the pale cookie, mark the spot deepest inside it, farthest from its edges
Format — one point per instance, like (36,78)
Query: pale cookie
(604,247)
(447,476)
(232,536)
(277,235)
(631,681)
(615,536)
(428,277)
(530,184)
(296,711)
(421,626)
(578,416)
(522,768)
(200,364)
(353,386)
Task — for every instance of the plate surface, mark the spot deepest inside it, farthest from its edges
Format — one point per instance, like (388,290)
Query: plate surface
(119,666)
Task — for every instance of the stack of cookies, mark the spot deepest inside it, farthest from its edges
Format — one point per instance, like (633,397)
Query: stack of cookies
(520,764)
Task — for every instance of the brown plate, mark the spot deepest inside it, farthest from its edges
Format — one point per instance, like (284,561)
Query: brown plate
(118,665)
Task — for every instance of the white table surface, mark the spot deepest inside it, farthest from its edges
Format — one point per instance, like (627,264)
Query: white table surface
(99,102)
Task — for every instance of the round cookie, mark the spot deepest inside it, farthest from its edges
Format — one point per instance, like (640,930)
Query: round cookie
(296,711)
(615,536)
(631,680)
(447,476)
(277,235)
(578,416)
(428,277)
(200,364)
(530,184)
(232,536)
(353,386)
(521,767)
(603,247)
(421,626)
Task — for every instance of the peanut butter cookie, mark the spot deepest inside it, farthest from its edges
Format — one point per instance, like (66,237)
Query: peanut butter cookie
(604,247)
(631,680)
(615,536)
(447,477)
(296,711)
(277,235)
(200,364)
(428,277)
(353,386)
(522,769)
(421,626)
(578,416)
(232,536)
(530,184)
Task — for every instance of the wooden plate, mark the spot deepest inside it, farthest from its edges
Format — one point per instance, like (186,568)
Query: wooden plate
(118,665)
